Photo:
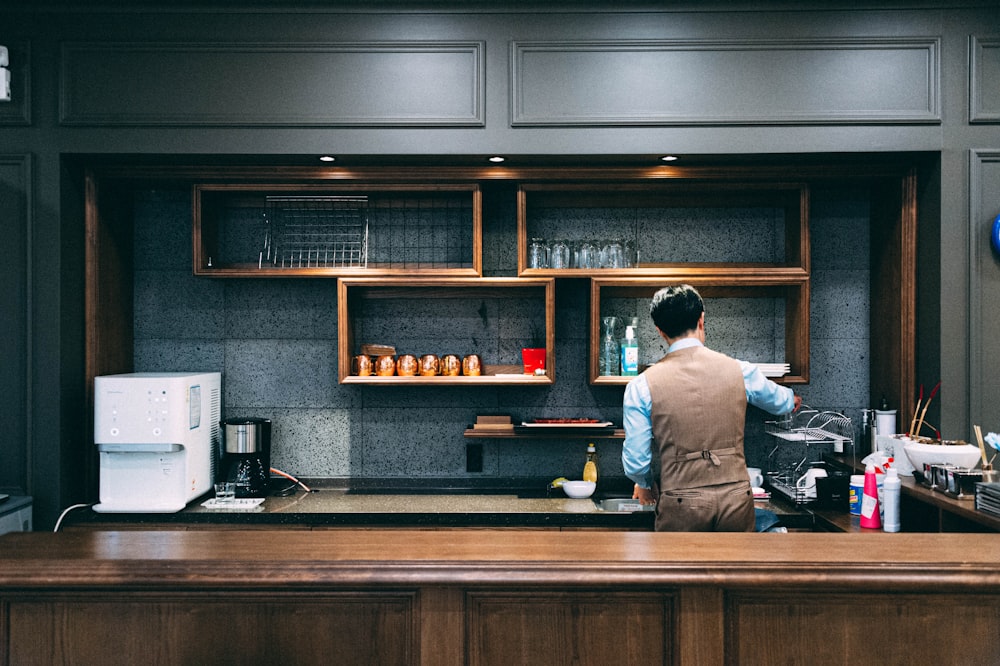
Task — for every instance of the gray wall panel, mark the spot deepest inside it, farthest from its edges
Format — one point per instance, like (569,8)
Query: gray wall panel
(984,291)
(246,85)
(15,339)
(984,80)
(827,81)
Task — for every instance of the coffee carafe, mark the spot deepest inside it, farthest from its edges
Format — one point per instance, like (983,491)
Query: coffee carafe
(247,459)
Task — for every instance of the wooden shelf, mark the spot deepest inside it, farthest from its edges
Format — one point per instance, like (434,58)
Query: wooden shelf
(794,293)
(355,294)
(617,433)
(408,229)
(438,380)
(619,205)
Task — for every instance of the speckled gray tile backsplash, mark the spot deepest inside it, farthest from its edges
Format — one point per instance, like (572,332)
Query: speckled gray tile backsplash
(275,340)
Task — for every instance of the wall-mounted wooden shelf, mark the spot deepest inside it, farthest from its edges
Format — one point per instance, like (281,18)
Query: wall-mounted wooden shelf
(337,229)
(617,433)
(759,227)
(792,295)
(531,303)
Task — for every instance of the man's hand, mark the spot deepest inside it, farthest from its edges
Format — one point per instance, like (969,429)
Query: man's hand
(645,495)
(798,403)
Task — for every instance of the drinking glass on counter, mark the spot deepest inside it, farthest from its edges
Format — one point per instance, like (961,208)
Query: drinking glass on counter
(225,492)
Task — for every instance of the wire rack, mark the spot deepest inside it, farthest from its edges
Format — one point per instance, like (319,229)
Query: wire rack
(315,232)
(422,230)
(809,429)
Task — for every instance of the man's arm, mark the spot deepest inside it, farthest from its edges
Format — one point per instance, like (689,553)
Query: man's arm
(765,394)
(637,451)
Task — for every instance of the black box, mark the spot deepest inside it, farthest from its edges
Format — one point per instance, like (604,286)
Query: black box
(832,492)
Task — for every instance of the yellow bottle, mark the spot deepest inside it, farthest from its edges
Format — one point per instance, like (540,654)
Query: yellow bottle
(590,468)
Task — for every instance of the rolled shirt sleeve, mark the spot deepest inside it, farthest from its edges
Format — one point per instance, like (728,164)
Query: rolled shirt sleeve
(637,451)
(765,394)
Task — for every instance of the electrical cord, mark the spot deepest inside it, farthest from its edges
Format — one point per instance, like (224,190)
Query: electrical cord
(67,510)
(291,478)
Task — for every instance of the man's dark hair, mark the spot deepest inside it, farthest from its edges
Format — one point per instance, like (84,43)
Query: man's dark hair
(676,309)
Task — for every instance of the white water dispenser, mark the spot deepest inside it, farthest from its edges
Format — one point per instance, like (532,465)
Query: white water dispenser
(157,435)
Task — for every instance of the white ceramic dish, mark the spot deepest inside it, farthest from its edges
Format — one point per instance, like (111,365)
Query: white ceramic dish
(589,424)
(960,455)
(579,489)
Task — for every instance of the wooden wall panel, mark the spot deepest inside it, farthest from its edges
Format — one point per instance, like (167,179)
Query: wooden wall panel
(690,82)
(570,628)
(15,332)
(224,628)
(417,84)
(984,80)
(828,628)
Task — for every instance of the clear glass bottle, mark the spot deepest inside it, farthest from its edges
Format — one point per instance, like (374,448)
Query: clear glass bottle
(609,347)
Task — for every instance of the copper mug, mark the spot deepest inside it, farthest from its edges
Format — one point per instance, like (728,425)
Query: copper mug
(472,365)
(451,365)
(385,366)
(362,365)
(406,366)
(430,365)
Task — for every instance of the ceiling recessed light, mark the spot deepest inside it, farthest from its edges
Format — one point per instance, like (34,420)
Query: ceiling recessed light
(327,158)
(496,159)
(669,158)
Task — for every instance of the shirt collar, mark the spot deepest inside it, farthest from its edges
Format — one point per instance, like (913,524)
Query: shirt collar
(684,343)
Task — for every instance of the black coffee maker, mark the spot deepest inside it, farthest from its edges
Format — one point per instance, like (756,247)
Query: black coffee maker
(247,458)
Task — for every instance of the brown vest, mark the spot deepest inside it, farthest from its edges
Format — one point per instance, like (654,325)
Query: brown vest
(698,411)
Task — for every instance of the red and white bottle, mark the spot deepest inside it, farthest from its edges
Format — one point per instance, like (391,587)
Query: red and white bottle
(870,514)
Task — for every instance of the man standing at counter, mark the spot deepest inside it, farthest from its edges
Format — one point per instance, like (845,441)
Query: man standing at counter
(692,406)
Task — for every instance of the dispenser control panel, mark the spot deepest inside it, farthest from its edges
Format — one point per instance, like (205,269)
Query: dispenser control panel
(146,407)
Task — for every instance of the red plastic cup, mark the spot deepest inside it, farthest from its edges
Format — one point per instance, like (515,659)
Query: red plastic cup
(534,359)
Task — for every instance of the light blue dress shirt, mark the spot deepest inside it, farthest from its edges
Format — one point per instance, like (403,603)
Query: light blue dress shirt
(637,452)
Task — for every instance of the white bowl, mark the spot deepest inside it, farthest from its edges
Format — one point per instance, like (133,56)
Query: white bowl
(579,489)
(960,455)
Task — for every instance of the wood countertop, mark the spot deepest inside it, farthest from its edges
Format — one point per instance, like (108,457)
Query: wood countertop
(235,559)
(497,597)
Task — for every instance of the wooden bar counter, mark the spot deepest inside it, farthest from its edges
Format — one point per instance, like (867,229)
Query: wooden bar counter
(481,596)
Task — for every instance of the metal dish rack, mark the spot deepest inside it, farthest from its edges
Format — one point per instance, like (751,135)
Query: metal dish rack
(315,232)
(810,428)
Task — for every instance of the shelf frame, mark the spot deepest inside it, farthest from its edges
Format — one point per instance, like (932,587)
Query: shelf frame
(350,288)
(204,227)
(795,292)
(472,433)
(655,192)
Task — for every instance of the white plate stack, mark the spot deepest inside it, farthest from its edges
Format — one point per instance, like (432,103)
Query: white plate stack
(774,369)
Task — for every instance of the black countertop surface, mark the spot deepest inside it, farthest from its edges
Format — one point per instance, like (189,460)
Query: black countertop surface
(413,505)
